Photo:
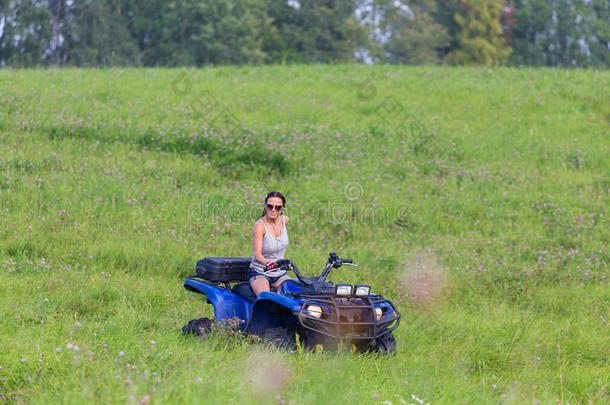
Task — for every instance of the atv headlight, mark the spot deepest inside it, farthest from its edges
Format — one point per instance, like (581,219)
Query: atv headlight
(378,313)
(343,289)
(362,289)
(314,311)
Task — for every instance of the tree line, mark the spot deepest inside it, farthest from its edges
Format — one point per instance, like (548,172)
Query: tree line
(221,32)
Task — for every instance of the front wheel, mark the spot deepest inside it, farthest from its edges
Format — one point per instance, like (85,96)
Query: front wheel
(280,338)
(385,344)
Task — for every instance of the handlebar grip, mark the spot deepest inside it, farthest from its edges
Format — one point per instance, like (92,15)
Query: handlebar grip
(347,260)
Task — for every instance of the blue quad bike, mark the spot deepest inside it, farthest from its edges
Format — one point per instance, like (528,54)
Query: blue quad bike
(311,309)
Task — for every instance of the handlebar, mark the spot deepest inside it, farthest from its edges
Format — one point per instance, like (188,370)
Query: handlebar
(287,264)
(334,261)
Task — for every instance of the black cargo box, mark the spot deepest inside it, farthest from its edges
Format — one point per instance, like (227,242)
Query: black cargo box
(224,269)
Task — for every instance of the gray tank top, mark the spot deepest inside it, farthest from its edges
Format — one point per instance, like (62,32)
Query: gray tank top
(273,249)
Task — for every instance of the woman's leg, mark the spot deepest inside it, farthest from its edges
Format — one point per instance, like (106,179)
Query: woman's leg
(259,285)
(276,286)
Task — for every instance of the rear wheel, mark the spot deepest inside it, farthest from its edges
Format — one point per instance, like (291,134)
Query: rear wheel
(280,338)
(198,327)
(385,344)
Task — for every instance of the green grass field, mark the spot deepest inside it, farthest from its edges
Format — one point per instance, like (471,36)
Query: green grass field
(476,199)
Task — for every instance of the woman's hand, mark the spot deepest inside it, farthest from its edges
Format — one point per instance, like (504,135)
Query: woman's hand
(270,264)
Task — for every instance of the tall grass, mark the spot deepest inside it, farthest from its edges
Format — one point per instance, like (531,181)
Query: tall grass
(476,199)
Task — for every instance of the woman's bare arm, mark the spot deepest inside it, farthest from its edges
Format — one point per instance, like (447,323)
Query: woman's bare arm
(257,242)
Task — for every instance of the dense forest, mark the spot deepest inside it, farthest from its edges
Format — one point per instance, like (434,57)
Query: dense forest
(218,32)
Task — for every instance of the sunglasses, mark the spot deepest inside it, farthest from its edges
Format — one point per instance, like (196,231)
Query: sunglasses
(277,207)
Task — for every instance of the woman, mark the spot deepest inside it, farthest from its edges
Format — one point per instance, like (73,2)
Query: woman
(269,242)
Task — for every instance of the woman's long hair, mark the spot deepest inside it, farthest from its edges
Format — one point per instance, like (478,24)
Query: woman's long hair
(274,194)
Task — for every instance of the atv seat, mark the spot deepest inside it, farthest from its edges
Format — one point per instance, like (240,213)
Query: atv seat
(244,290)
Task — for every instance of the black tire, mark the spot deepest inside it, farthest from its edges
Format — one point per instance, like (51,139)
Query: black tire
(197,327)
(280,338)
(385,345)
(317,341)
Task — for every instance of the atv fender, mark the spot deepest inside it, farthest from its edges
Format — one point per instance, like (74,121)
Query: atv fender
(272,310)
(226,304)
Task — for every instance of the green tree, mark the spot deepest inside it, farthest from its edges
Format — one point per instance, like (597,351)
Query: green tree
(319,31)
(25,33)
(94,34)
(599,41)
(562,33)
(151,26)
(414,36)
(530,34)
(480,38)
(196,32)
(224,32)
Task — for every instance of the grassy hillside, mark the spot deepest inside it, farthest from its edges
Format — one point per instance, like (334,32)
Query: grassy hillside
(476,199)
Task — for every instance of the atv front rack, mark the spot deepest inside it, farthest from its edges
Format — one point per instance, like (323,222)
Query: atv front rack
(349,317)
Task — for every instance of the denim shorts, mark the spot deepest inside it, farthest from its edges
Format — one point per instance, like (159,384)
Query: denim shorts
(253,275)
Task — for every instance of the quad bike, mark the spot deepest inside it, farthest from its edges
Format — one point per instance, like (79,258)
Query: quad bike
(312,309)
